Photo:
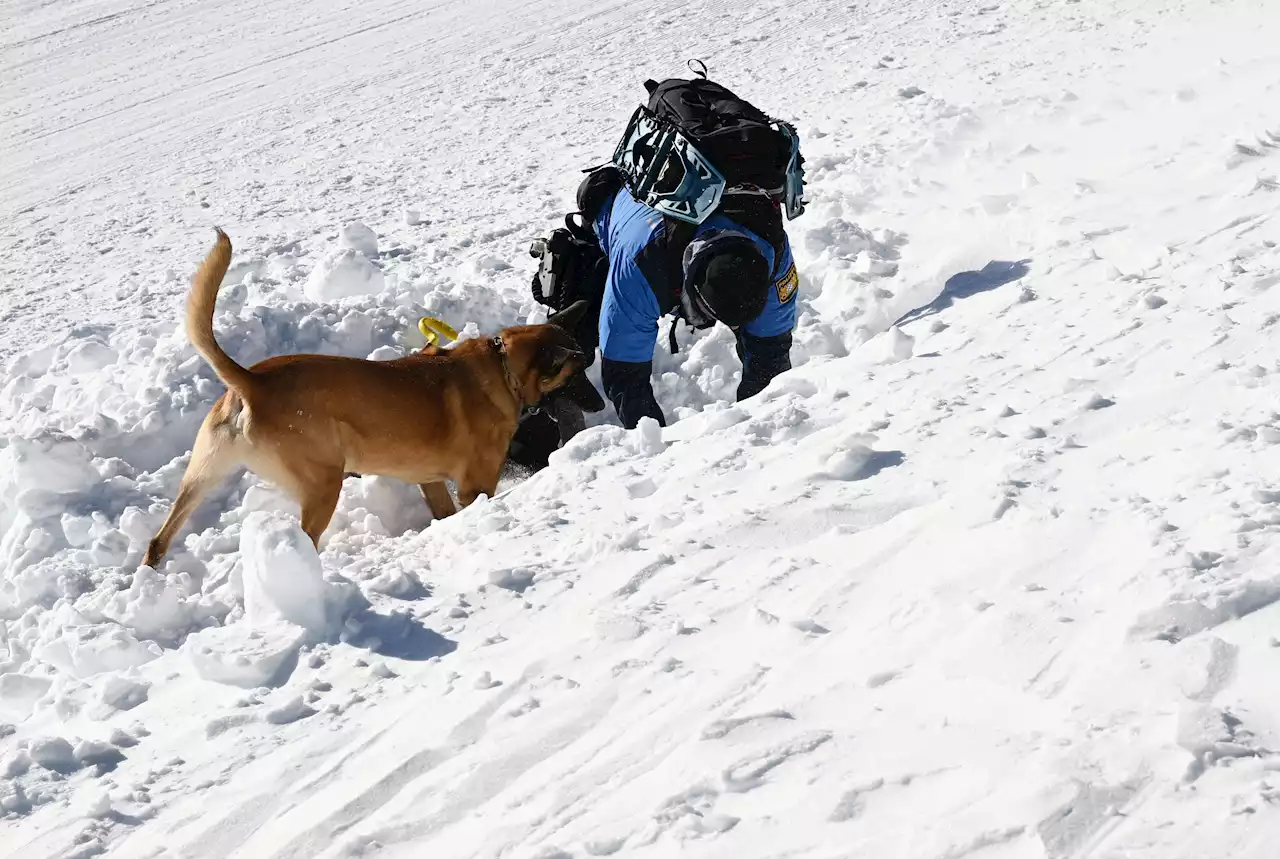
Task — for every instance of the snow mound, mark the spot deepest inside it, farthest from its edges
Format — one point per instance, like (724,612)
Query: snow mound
(344,273)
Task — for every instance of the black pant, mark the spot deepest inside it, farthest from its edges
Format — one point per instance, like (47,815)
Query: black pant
(762,358)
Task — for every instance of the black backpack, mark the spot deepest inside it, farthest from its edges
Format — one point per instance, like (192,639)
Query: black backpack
(748,147)
(572,268)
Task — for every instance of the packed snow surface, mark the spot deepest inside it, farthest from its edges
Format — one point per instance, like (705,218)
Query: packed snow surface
(993,573)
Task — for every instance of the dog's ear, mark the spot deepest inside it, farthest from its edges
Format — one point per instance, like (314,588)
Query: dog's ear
(553,358)
(568,318)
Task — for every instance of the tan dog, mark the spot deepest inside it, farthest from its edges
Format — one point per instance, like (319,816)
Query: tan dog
(304,421)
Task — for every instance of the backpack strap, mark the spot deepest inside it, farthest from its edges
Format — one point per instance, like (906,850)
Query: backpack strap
(598,188)
(677,235)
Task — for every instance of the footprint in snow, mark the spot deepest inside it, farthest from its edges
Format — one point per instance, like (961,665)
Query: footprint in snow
(1096,402)
(875,681)
(721,728)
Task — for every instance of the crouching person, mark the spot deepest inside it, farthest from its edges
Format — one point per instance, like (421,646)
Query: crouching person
(726,273)
(686,220)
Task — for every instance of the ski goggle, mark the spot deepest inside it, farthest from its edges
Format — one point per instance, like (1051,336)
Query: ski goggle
(666,172)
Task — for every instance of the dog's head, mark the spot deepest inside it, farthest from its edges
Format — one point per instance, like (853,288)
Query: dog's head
(545,359)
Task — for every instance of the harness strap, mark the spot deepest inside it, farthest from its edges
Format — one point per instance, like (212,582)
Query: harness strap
(678,236)
(512,384)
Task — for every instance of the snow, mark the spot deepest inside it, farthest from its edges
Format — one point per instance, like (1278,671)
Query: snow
(991,573)
(53,753)
(121,692)
(344,273)
(283,578)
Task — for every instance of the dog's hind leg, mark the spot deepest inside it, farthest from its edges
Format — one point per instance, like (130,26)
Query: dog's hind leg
(437,498)
(213,457)
(319,498)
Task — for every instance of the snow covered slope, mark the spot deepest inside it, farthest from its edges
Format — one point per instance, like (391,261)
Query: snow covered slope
(1001,580)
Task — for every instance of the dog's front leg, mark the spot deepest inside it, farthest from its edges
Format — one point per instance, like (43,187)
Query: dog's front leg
(480,478)
(437,497)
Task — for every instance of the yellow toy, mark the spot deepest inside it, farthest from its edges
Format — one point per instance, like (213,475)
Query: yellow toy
(435,330)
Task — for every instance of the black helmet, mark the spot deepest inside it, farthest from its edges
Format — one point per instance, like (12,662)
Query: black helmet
(729,277)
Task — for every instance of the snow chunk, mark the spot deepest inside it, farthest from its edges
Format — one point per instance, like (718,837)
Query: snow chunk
(88,650)
(119,692)
(221,724)
(53,753)
(359,238)
(648,437)
(156,606)
(855,460)
(283,580)
(97,753)
(13,799)
(15,764)
(89,356)
(247,658)
(1096,401)
(290,711)
(486,681)
(868,265)
(343,274)
(895,345)
(20,692)
(517,579)
(588,443)
(98,806)
(1203,729)
(641,488)
(122,739)
(46,464)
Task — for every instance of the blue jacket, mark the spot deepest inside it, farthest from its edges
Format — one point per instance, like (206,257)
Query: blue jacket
(638,291)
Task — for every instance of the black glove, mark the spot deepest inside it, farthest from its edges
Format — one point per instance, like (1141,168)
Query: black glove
(627,385)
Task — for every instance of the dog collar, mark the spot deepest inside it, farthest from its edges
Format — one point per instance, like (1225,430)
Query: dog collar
(506,369)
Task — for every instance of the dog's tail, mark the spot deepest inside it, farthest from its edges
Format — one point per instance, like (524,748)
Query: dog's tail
(204,293)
